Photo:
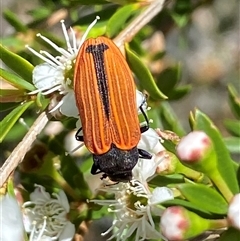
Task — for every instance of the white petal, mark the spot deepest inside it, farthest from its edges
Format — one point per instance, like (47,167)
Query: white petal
(39,193)
(144,169)
(11,224)
(234,211)
(68,232)
(64,200)
(151,233)
(46,76)
(161,194)
(141,100)
(28,217)
(69,107)
(45,238)
(150,141)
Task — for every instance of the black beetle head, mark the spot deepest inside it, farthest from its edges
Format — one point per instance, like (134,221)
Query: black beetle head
(116,164)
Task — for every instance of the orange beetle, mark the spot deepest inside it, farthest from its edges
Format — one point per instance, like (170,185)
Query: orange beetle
(105,94)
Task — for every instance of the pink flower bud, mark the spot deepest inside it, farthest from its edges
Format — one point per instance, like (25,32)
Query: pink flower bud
(234,212)
(177,224)
(194,146)
(173,223)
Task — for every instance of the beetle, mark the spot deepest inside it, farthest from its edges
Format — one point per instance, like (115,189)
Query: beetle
(105,95)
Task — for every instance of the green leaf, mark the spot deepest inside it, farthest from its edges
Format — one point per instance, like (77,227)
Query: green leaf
(170,120)
(144,76)
(234,100)
(225,167)
(179,92)
(158,56)
(233,144)
(231,234)
(84,188)
(161,181)
(170,146)
(7,123)
(186,204)
(167,81)
(180,20)
(11,95)
(41,101)
(74,177)
(18,131)
(204,197)
(7,106)
(40,13)
(10,187)
(233,127)
(119,18)
(104,13)
(168,78)
(136,46)
(15,80)
(13,19)
(102,212)
(86,166)
(18,64)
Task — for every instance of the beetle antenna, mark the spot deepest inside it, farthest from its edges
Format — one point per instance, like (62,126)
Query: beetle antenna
(75,149)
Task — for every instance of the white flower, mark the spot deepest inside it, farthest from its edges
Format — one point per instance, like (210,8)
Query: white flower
(133,207)
(150,141)
(234,211)
(134,202)
(146,168)
(11,220)
(56,73)
(46,217)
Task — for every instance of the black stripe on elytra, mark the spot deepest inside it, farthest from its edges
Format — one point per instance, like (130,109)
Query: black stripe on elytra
(98,58)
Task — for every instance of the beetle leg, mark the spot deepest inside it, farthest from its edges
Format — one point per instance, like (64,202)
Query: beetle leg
(79,137)
(144,154)
(145,127)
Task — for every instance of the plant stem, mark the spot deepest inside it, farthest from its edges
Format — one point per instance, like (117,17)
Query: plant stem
(65,186)
(189,173)
(139,22)
(221,185)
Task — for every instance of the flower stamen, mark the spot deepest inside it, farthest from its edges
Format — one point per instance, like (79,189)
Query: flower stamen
(74,40)
(59,49)
(54,59)
(51,90)
(48,215)
(87,31)
(42,229)
(69,47)
(41,56)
